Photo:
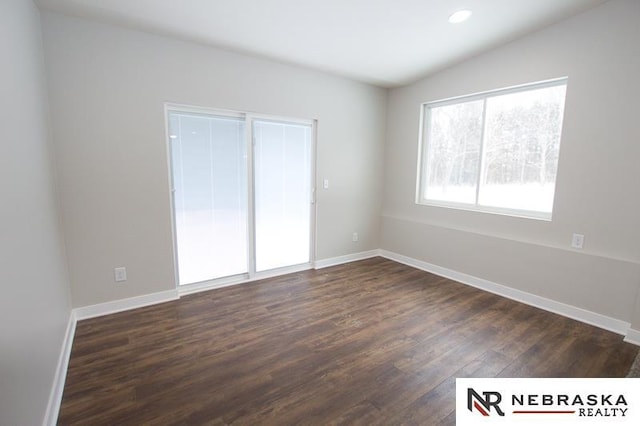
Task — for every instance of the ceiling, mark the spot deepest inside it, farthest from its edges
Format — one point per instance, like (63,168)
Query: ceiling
(383,42)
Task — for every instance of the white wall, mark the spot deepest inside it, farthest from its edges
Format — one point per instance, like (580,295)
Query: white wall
(108,86)
(35,304)
(599,171)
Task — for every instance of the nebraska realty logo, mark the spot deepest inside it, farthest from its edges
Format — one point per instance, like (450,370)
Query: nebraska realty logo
(484,405)
(548,401)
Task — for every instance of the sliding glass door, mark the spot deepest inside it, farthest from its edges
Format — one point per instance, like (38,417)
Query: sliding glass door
(209,162)
(242,194)
(282,172)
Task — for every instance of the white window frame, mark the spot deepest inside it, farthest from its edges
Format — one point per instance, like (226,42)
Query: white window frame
(423,146)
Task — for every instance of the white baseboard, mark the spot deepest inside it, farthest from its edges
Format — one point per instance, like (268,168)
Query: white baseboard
(573,312)
(633,336)
(106,308)
(55,397)
(339,260)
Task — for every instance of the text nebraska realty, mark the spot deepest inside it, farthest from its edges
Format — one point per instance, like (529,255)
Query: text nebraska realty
(591,405)
(584,405)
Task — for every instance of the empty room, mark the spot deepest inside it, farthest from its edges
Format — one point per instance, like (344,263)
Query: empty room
(317,212)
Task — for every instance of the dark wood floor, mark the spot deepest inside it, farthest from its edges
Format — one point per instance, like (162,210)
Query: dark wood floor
(371,342)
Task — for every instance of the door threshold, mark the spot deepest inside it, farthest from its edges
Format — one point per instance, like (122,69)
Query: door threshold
(186,289)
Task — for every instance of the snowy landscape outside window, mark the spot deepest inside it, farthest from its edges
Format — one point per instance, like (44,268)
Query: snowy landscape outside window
(495,151)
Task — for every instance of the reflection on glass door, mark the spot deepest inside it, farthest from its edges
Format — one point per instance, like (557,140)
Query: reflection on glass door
(282,174)
(209,168)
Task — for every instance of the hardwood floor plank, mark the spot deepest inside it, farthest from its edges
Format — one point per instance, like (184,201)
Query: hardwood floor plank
(371,342)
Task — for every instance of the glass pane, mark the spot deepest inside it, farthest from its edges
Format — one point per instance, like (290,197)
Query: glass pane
(522,141)
(282,165)
(454,138)
(209,176)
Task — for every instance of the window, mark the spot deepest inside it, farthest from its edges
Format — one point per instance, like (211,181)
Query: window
(495,151)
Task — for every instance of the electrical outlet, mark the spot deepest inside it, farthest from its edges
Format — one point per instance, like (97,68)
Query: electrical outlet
(354,237)
(577,241)
(120,274)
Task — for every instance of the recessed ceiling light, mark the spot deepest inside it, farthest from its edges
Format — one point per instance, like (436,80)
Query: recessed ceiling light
(460,16)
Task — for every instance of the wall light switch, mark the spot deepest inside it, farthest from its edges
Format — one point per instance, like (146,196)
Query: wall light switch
(577,241)
(325,184)
(120,274)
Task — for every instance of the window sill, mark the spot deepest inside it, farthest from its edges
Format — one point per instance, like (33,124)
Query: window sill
(521,214)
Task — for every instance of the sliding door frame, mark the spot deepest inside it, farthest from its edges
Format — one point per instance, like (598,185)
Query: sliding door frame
(251,274)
